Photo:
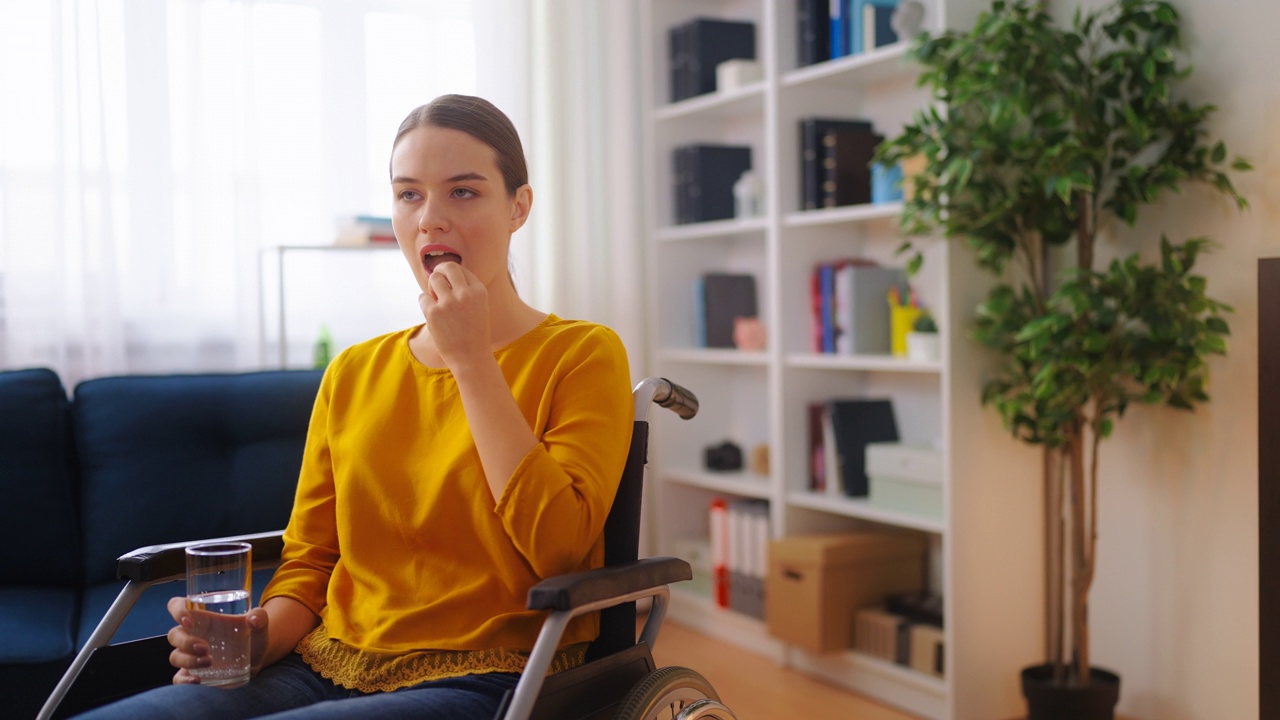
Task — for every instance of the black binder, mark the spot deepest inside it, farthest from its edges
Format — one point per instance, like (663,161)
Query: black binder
(812,131)
(726,296)
(855,424)
(704,179)
(813,32)
(846,166)
(699,45)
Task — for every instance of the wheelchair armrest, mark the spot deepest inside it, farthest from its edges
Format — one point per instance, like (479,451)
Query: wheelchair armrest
(156,563)
(566,592)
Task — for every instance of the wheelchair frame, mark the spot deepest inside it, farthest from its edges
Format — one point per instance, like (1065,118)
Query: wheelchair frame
(621,661)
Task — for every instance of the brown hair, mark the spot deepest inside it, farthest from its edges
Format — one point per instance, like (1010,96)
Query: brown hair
(480,119)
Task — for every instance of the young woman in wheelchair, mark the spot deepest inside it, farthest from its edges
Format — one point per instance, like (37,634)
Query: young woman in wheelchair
(448,468)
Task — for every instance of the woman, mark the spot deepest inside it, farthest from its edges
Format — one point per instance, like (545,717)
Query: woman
(448,468)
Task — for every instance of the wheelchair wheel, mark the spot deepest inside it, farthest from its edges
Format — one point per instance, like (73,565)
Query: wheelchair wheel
(673,693)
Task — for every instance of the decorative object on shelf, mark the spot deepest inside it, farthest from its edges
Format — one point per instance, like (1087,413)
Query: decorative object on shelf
(886,183)
(699,46)
(746,196)
(736,73)
(760,459)
(908,19)
(904,310)
(723,457)
(923,342)
(748,333)
(1051,134)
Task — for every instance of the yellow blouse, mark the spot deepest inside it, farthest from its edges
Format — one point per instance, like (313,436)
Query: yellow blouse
(395,540)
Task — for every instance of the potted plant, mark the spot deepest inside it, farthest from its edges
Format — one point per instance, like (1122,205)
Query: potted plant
(1043,143)
(922,342)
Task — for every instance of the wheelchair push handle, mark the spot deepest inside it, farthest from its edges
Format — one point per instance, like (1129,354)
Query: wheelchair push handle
(667,394)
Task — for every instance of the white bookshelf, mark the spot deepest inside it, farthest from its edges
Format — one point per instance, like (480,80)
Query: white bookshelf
(985,558)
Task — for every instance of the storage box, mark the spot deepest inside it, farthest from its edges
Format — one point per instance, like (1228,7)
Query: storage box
(817,582)
(927,649)
(696,552)
(905,478)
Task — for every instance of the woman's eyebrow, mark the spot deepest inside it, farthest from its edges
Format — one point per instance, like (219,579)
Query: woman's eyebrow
(464,177)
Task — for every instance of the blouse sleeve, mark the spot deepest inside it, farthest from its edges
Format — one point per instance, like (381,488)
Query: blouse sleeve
(311,538)
(555,504)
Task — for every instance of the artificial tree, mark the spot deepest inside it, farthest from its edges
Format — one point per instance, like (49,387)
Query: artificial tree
(1040,139)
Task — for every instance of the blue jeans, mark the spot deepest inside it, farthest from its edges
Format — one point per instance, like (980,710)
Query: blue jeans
(291,690)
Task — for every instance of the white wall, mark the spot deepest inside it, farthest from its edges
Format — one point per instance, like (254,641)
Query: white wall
(1175,604)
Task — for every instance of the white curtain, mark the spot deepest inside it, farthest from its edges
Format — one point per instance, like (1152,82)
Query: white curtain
(588,260)
(150,150)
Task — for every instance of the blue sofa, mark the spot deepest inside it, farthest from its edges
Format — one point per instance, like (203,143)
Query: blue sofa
(123,463)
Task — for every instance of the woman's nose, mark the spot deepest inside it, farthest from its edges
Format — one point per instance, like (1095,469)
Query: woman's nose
(434,218)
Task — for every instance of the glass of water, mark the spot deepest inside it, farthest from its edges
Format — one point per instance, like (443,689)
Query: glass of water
(219,587)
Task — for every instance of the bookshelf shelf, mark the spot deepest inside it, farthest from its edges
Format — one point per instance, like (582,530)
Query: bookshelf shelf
(715,356)
(764,398)
(739,101)
(742,484)
(714,230)
(840,215)
(886,63)
(861,509)
(881,363)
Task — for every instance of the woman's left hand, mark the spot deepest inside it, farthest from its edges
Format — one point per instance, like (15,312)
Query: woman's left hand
(456,307)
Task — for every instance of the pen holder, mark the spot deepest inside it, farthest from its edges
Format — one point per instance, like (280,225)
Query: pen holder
(901,320)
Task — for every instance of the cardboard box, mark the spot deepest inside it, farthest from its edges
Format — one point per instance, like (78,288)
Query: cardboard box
(816,583)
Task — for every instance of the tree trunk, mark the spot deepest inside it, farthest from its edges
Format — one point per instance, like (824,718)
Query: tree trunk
(1053,560)
(1080,575)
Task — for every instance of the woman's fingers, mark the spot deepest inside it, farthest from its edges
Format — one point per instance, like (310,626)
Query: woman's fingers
(182,677)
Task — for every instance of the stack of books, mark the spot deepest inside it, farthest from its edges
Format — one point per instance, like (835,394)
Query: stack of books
(831,29)
(839,432)
(849,300)
(361,230)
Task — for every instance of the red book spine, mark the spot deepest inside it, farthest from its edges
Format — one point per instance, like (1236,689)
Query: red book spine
(720,552)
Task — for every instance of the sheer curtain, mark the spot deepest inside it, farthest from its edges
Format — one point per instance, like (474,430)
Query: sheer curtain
(151,149)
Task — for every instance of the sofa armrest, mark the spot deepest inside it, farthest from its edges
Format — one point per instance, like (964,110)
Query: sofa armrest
(566,592)
(159,563)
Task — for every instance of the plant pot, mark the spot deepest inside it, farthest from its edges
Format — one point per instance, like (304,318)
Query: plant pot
(1050,700)
(924,347)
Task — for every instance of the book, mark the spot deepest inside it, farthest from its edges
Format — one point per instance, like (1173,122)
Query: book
(877,23)
(726,296)
(860,310)
(361,230)
(812,155)
(846,165)
(719,527)
(813,32)
(854,424)
(698,46)
(704,178)
(817,466)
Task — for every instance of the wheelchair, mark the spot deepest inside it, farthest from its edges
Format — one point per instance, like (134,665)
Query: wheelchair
(619,681)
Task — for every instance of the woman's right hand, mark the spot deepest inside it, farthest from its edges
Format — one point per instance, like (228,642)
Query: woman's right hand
(191,651)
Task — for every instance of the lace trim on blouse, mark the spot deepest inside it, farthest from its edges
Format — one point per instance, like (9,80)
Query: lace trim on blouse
(369,672)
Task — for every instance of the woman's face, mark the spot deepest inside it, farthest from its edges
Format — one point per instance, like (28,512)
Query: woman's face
(450,204)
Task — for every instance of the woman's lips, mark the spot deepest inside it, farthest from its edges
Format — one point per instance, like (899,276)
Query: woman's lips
(433,256)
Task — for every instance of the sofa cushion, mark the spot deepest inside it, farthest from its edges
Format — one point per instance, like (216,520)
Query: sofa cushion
(175,458)
(36,624)
(38,540)
(149,616)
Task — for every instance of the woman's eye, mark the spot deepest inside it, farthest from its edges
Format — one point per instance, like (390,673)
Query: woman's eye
(407,195)
(463,193)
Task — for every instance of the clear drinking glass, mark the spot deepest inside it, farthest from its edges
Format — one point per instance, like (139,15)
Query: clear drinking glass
(219,587)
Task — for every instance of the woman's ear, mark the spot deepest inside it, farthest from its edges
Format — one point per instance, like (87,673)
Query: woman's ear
(520,206)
